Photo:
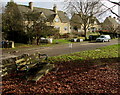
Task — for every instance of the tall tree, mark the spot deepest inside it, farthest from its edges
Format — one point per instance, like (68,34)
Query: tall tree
(112,29)
(12,23)
(115,3)
(36,26)
(85,9)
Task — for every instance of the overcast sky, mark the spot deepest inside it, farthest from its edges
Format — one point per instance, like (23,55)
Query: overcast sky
(60,6)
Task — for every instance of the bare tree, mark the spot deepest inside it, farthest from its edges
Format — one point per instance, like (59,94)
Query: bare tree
(111,8)
(112,29)
(36,27)
(85,9)
(115,4)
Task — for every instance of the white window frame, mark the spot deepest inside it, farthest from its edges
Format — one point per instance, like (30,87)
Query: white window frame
(65,28)
(57,20)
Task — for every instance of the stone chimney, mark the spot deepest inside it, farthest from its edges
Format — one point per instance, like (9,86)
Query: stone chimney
(55,8)
(31,5)
(114,18)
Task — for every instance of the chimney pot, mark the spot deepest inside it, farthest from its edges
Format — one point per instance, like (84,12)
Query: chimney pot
(114,17)
(31,5)
(55,8)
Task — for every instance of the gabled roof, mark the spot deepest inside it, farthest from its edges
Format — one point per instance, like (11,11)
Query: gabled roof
(111,21)
(94,19)
(76,19)
(49,13)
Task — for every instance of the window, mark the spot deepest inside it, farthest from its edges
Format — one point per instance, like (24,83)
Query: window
(65,28)
(102,36)
(95,22)
(56,20)
(89,28)
(79,30)
(57,27)
(93,29)
(75,28)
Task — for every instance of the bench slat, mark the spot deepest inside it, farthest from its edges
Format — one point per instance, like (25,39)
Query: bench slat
(20,60)
(43,71)
(4,74)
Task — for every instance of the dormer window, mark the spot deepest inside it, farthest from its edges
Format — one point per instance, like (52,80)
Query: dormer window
(56,20)
(65,28)
(95,22)
(57,27)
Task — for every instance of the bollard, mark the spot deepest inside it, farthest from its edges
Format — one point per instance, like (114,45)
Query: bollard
(50,40)
(12,44)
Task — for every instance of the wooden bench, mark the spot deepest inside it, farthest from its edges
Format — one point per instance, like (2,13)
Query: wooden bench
(7,66)
(27,62)
(33,66)
(46,68)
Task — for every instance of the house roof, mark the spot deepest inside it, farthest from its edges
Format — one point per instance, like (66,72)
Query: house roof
(94,19)
(49,13)
(110,20)
(76,20)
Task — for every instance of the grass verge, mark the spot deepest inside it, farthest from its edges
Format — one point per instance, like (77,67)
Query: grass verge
(104,52)
(55,42)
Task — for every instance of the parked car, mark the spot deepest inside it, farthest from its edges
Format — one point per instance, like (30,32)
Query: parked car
(43,40)
(103,38)
(76,40)
(93,37)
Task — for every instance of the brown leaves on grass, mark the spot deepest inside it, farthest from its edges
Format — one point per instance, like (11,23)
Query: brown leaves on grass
(69,78)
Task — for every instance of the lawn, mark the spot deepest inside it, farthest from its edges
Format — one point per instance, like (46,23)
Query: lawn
(55,41)
(59,41)
(105,52)
(91,72)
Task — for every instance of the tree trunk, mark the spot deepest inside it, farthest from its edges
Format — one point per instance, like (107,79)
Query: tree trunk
(37,41)
(85,33)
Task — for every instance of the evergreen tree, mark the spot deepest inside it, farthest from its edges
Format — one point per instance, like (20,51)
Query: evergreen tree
(12,23)
(36,27)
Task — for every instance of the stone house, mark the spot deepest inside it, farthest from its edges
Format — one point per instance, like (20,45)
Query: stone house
(111,26)
(55,18)
(110,23)
(77,24)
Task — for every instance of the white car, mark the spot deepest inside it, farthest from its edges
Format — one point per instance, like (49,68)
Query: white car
(103,38)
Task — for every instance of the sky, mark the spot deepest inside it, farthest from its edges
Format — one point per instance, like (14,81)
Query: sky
(60,5)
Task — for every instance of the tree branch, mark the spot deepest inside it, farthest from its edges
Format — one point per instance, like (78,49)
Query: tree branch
(112,10)
(116,3)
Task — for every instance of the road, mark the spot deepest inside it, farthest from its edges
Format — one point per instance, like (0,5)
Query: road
(57,49)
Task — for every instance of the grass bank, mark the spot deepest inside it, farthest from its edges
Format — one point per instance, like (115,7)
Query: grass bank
(55,41)
(85,77)
(104,52)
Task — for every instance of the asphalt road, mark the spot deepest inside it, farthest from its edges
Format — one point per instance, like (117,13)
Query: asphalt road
(57,49)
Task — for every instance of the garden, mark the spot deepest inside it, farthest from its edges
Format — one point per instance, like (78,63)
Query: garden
(93,71)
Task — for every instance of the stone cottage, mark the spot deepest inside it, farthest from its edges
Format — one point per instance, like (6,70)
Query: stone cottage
(55,18)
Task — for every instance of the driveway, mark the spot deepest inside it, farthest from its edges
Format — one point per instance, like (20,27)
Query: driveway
(57,49)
